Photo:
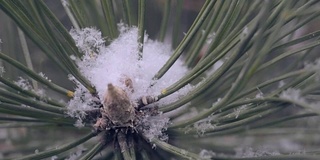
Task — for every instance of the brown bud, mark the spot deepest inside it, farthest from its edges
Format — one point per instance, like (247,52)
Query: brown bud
(118,107)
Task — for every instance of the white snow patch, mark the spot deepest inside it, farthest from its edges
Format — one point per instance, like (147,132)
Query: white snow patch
(73,57)
(81,102)
(79,123)
(205,154)
(44,76)
(102,65)
(295,96)
(154,126)
(87,40)
(292,94)
(120,59)
(203,125)
(281,84)
(315,67)
(110,64)
(23,83)
(42,94)
(238,110)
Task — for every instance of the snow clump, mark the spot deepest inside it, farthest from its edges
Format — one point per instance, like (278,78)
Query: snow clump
(114,63)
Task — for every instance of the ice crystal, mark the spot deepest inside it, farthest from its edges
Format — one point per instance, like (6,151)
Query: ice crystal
(292,94)
(81,102)
(295,96)
(87,40)
(42,94)
(44,76)
(23,83)
(281,84)
(153,126)
(238,110)
(203,125)
(205,154)
(315,67)
(79,123)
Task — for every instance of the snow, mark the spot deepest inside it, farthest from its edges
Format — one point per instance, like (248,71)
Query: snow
(119,60)
(23,83)
(205,154)
(81,102)
(153,127)
(42,94)
(44,76)
(102,65)
(281,84)
(314,67)
(238,110)
(292,94)
(295,96)
(87,40)
(203,125)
